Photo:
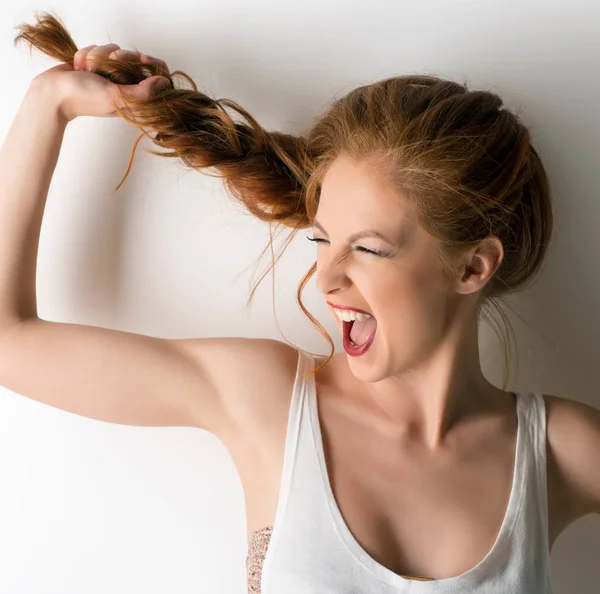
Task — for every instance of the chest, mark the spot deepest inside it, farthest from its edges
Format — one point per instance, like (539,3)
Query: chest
(418,514)
(415,513)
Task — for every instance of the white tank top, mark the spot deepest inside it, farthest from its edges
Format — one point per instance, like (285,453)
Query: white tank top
(312,550)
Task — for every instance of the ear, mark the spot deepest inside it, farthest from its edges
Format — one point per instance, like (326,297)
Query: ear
(479,264)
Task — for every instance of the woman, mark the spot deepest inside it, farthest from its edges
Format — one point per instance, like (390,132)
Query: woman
(394,466)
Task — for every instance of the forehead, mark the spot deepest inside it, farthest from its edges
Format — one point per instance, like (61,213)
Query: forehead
(359,190)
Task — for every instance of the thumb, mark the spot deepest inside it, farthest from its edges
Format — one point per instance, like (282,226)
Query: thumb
(146,88)
(160,83)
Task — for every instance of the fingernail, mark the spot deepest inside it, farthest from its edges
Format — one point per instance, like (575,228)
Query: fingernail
(162,85)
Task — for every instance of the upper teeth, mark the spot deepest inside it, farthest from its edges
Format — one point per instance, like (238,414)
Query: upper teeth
(347,315)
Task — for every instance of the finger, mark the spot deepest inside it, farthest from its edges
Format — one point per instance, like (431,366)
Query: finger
(100,51)
(145,59)
(145,88)
(122,54)
(135,56)
(79,57)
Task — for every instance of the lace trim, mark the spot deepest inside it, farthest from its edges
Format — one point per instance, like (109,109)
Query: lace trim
(259,543)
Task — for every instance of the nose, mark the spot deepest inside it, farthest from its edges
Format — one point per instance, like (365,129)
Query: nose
(331,275)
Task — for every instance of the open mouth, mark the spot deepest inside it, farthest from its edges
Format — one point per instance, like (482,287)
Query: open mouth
(359,335)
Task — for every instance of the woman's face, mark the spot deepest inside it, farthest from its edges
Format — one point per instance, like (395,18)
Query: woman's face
(402,286)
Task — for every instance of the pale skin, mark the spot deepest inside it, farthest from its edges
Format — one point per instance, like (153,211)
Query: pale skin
(396,422)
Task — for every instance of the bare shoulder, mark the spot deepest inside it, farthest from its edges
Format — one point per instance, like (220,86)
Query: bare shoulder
(573,433)
(254,378)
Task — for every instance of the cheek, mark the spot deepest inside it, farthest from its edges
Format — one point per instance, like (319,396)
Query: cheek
(408,287)
(412,304)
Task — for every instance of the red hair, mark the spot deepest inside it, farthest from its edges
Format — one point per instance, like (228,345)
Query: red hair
(465,162)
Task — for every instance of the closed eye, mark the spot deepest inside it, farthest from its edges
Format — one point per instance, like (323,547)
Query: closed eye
(358,248)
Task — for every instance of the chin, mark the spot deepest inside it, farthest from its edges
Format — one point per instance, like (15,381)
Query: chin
(370,367)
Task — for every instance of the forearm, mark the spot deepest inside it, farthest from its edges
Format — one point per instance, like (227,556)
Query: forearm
(28,158)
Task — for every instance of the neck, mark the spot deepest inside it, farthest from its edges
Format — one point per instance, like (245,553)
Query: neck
(430,400)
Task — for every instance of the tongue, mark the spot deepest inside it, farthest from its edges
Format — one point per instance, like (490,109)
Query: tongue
(360,331)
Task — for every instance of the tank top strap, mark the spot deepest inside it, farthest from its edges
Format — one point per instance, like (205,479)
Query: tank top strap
(532,530)
(538,430)
(298,397)
(534,407)
(292,441)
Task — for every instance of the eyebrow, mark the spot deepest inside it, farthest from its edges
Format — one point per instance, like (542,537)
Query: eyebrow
(359,235)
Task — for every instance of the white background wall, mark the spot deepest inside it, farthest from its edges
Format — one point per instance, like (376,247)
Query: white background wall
(92,507)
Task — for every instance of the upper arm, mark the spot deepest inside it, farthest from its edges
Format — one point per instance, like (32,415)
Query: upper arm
(131,379)
(574,436)
(253,380)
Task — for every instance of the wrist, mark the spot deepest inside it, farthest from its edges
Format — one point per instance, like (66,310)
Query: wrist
(48,97)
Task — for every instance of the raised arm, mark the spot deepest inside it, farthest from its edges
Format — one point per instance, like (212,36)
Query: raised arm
(104,374)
